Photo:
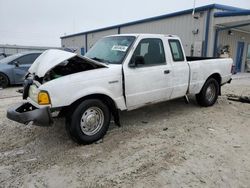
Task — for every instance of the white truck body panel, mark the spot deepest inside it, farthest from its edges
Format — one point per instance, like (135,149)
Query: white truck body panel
(180,79)
(107,81)
(180,74)
(201,70)
(146,85)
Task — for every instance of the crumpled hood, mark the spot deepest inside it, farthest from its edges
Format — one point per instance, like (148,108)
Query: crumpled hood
(51,58)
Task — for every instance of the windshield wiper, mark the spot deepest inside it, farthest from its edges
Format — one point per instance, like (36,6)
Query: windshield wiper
(100,60)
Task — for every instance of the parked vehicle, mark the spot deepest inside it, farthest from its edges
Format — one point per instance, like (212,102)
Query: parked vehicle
(2,55)
(13,68)
(120,72)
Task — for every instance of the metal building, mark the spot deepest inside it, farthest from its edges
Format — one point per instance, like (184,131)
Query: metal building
(214,30)
(7,50)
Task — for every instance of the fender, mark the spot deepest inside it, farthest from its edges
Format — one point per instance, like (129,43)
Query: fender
(118,101)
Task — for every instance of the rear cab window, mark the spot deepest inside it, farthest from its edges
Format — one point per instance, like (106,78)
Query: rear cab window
(176,50)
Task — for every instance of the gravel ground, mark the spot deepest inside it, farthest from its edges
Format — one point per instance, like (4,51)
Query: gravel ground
(171,144)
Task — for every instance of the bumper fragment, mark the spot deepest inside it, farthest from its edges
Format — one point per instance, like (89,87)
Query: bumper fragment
(229,81)
(26,112)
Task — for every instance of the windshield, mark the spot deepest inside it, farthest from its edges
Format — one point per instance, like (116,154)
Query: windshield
(111,49)
(10,58)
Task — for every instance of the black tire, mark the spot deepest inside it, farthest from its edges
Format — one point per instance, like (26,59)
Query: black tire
(77,123)
(4,81)
(209,93)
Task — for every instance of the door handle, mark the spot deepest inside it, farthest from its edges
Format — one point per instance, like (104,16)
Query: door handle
(166,71)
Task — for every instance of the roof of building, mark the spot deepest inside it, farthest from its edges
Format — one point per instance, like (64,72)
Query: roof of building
(25,47)
(232,13)
(188,11)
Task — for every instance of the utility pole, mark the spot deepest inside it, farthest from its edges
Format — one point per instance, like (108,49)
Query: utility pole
(193,24)
(194,8)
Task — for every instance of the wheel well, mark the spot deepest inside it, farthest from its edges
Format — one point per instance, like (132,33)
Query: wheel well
(104,98)
(217,77)
(68,110)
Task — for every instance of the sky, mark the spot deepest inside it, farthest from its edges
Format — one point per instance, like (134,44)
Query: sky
(43,22)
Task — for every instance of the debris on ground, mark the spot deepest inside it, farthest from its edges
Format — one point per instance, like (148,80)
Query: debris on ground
(99,141)
(237,146)
(165,129)
(19,91)
(210,129)
(243,99)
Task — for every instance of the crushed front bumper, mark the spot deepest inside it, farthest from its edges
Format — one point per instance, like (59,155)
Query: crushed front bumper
(26,112)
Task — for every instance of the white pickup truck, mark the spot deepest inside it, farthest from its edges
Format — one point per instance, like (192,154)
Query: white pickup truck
(120,72)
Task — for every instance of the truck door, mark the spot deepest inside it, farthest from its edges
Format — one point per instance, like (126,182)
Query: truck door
(180,69)
(150,80)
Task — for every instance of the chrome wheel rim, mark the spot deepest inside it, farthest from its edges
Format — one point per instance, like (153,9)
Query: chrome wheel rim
(92,121)
(211,92)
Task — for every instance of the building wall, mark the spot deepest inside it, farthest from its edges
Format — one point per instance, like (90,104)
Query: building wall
(10,51)
(225,20)
(93,37)
(182,26)
(232,41)
(13,49)
(211,31)
(76,42)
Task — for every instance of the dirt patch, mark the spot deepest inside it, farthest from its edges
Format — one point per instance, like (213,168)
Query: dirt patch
(171,144)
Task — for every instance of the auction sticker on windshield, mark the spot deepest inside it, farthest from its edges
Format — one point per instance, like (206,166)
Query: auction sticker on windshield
(119,48)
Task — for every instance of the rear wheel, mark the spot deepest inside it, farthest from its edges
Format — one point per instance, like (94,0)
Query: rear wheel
(209,93)
(4,81)
(89,121)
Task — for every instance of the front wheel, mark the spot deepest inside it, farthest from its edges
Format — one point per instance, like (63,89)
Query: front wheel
(209,93)
(89,121)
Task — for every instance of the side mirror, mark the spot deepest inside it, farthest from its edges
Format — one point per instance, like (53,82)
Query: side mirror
(16,63)
(138,60)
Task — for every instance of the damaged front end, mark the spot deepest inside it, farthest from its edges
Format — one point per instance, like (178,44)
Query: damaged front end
(52,64)
(71,66)
(25,113)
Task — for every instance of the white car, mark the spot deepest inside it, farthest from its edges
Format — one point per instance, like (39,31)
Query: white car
(120,72)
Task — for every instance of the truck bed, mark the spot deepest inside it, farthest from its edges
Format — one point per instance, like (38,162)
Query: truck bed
(201,68)
(194,58)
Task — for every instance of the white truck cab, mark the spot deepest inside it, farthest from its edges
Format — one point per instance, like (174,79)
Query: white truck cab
(120,72)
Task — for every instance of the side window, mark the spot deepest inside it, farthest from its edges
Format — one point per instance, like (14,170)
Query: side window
(152,50)
(176,50)
(27,59)
(33,57)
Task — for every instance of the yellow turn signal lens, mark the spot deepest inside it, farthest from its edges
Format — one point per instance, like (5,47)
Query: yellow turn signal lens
(43,98)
